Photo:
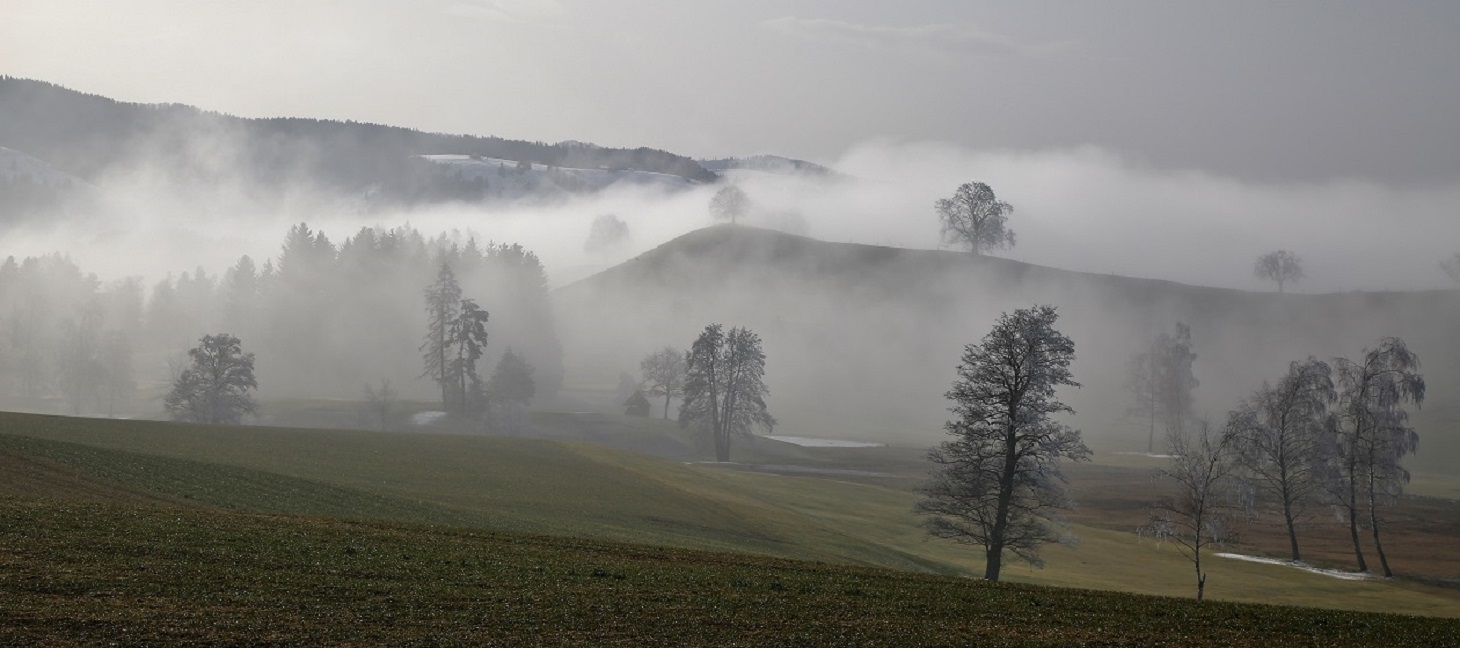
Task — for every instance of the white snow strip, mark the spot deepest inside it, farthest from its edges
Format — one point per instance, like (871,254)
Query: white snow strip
(1145,454)
(1332,573)
(426,418)
(810,442)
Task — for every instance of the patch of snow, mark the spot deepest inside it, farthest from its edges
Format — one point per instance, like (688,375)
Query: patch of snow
(1146,454)
(426,418)
(504,180)
(810,442)
(1332,573)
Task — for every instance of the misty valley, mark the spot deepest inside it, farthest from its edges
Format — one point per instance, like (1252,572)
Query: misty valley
(304,381)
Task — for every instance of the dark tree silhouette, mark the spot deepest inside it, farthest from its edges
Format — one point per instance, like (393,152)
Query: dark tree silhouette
(724,387)
(215,388)
(997,483)
(974,218)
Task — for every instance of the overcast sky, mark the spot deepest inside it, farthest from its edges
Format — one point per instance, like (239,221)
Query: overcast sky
(1258,91)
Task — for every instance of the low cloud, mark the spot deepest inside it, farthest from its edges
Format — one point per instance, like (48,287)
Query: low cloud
(941,37)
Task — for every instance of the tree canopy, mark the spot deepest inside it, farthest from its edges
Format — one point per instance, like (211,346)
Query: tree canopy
(216,387)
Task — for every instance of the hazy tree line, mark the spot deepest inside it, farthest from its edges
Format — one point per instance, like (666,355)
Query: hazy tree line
(323,318)
(1324,437)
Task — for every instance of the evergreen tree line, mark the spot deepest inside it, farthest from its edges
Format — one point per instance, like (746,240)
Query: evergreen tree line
(323,318)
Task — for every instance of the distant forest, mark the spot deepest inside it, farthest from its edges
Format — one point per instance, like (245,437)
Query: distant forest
(85,134)
(324,318)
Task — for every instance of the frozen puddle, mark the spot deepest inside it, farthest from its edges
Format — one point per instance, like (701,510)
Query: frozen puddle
(1332,573)
(810,442)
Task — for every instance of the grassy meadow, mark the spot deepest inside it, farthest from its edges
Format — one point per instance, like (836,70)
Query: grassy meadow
(587,490)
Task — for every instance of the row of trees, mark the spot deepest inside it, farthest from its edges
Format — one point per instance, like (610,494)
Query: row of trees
(1324,436)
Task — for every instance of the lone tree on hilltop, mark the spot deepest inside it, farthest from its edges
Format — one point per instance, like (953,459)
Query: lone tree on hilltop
(729,204)
(724,387)
(663,372)
(607,232)
(1160,379)
(998,482)
(1374,436)
(215,388)
(1281,266)
(974,218)
(1283,440)
(1198,516)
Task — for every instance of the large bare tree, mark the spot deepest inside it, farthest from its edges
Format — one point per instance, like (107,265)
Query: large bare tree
(1198,516)
(724,387)
(1284,441)
(1374,436)
(997,483)
(1281,266)
(974,218)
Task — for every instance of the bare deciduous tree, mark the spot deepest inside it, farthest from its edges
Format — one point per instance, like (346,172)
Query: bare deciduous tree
(1281,266)
(975,219)
(1374,436)
(1198,516)
(380,404)
(998,482)
(663,372)
(724,387)
(1283,440)
(729,204)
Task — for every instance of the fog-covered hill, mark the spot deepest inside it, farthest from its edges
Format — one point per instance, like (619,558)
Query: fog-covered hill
(862,340)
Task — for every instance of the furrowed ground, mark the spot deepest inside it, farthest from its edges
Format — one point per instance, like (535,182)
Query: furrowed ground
(86,573)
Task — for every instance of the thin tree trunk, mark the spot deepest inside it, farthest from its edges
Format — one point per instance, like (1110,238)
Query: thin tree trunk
(1353,527)
(666,404)
(1201,579)
(1374,527)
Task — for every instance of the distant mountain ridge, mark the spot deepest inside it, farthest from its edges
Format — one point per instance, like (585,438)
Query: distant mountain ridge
(86,135)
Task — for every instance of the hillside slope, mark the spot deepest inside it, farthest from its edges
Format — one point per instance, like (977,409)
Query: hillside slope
(862,340)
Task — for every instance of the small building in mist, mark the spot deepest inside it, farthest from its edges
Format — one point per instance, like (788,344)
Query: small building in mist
(637,404)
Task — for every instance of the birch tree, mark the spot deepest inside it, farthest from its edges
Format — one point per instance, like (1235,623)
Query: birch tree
(1374,436)
(1283,441)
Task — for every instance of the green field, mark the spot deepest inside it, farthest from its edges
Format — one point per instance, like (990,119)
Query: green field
(456,495)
